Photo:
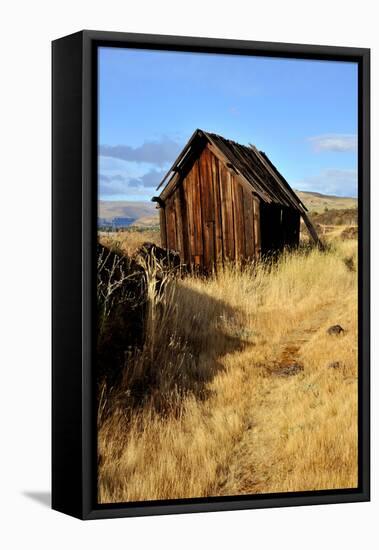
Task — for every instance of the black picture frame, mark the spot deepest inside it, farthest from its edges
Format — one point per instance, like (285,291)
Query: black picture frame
(74,206)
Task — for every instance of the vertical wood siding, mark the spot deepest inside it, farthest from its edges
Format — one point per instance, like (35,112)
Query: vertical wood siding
(212,216)
(207,209)
(218,242)
(162,224)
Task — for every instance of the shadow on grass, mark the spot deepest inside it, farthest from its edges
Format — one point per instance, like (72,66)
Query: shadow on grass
(182,353)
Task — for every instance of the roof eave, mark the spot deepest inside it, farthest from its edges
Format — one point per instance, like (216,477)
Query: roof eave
(181,156)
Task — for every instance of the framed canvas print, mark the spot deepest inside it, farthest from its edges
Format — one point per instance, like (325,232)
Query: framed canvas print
(210,274)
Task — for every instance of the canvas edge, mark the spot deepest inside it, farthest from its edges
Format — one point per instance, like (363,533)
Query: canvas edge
(67,129)
(85,508)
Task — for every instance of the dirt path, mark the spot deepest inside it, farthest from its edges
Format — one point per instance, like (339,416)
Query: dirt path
(256,464)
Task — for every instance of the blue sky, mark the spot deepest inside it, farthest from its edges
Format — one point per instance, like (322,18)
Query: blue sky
(302,114)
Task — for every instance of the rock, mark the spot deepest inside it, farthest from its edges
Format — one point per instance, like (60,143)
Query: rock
(349,263)
(350,233)
(288,370)
(335,365)
(335,330)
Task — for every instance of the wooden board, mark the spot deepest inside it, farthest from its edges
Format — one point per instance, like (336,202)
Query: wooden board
(217,211)
(248,216)
(171,224)
(187,189)
(192,196)
(227,213)
(197,211)
(162,224)
(207,208)
(206,185)
(257,227)
(239,221)
(179,224)
(209,249)
(186,256)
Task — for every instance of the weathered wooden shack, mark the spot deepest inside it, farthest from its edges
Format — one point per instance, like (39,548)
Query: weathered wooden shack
(222,201)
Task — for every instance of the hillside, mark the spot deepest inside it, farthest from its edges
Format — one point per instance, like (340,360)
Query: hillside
(145,213)
(336,216)
(317,202)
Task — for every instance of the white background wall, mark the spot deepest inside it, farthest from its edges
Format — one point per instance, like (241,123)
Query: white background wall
(27,28)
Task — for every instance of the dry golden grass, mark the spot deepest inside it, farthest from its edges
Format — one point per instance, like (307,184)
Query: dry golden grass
(235,426)
(328,233)
(130,240)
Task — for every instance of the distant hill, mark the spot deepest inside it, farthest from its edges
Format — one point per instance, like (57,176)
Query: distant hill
(145,214)
(142,214)
(317,202)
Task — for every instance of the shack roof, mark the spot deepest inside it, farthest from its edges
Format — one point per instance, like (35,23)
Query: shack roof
(246,162)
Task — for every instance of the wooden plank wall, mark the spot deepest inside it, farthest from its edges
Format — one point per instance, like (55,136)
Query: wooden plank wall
(213,217)
(207,201)
(162,225)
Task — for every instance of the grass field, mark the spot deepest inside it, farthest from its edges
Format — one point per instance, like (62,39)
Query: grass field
(251,393)
(130,240)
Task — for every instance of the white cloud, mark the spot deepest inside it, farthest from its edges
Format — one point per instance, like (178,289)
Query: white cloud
(111,184)
(157,152)
(343,183)
(339,143)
